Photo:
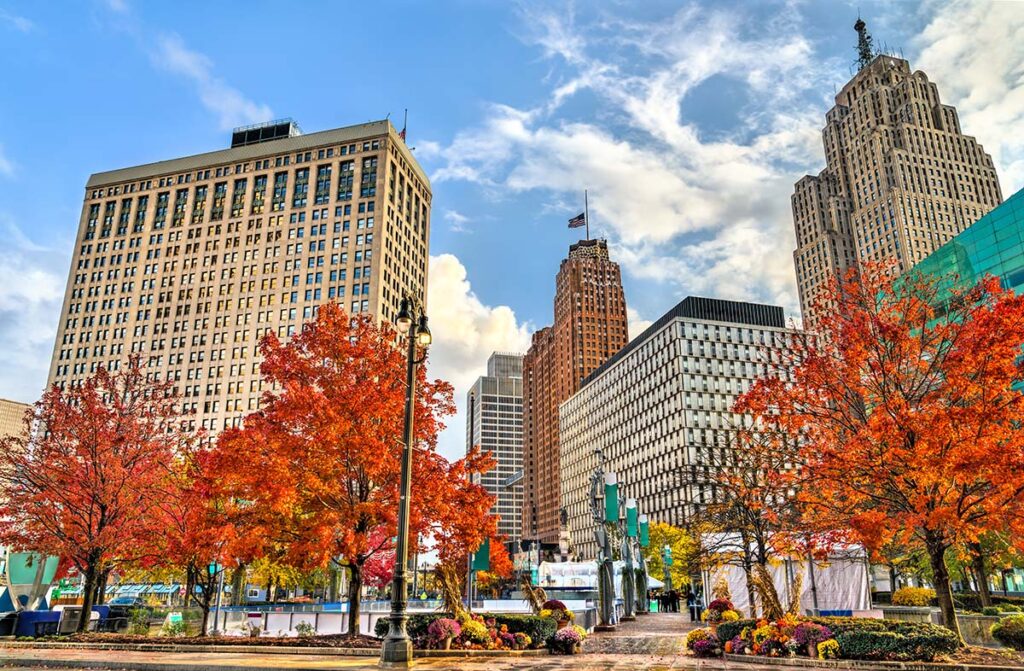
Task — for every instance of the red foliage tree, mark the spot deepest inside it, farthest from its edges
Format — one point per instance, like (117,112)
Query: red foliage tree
(907,414)
(84,485)
(317,468)
(379,569)
(194,533)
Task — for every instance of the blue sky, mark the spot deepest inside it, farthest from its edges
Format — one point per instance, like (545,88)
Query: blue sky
(687,121)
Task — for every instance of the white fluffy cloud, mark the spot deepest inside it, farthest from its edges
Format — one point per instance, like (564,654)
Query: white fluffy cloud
(973,51)
(703,213)
(31,292)
(466,332)
(19,23)
(229,104)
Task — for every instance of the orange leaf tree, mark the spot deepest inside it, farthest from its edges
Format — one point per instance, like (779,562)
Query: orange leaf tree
(906,409)
(84,486)
(314,475)
(194,533)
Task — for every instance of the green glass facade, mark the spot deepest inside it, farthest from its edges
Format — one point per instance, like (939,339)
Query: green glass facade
(994,245)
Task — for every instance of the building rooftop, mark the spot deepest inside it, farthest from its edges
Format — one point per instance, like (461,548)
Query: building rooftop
(278,137)
(705,309)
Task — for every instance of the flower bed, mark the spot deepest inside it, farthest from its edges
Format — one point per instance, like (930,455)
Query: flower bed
(842,637)
(478,632)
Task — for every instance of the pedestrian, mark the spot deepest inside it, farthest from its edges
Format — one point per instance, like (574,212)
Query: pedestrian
(691,603)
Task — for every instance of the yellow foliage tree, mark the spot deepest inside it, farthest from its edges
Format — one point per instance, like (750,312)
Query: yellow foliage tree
(684,551)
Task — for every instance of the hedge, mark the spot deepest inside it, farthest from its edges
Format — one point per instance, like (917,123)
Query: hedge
(539,629)
(873,639)
(1010,631)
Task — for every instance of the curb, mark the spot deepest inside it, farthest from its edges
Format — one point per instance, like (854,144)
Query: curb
(862,664)
(227,649)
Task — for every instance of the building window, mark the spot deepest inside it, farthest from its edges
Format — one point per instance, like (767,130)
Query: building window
(220,194)
(280,189)
(301,190)
(238,197)
(368,184)
(259,194)
(323,185)
(180,203)
(346,179)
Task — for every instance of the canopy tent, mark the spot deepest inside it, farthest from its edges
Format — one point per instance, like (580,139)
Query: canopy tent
(837,584)
(582,575)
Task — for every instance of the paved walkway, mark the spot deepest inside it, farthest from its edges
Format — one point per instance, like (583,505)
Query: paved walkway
(651,643)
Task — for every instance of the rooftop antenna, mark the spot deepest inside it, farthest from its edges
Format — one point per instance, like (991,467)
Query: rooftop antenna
(865,50)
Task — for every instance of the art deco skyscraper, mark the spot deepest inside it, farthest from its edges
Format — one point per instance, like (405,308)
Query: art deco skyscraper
(590,326)
(188,262)
(901,177)
(495,424)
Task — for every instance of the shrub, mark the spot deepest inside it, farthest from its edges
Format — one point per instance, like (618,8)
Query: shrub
(138,621)
(175,629)
(539,629)
(417,626)
(898,644)
(305,629)
(991,610)
(913,596)
(730,630)
(1010,631)
(1009,608)
(564,641)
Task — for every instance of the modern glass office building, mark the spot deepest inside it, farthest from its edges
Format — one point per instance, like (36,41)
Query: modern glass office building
(994,245)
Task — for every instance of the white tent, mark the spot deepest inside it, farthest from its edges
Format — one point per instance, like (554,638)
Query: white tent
(838,583)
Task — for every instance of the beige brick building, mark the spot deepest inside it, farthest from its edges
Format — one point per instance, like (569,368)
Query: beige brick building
(590,326)
(12,418)
(901,178)
(190,261)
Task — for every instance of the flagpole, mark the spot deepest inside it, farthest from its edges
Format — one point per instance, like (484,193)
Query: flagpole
(586,213)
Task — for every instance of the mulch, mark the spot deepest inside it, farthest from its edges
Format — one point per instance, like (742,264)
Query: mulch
(987,657)
(329,641)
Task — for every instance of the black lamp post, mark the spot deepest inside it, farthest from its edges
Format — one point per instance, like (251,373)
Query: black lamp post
(397,648)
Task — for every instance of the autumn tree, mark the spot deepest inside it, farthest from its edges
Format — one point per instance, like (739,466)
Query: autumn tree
(193,533)
(83,485)
(315,472)
(684,552)
(753,516)
(905,407)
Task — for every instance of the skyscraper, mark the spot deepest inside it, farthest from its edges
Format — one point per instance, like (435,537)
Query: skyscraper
(495,424)
(657,411)
(901,178)
(188,262)
(590,326)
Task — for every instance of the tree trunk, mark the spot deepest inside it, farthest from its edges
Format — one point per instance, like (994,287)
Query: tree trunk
(981,574)
(940,576)
(190,588)
(206,618)
(101,588)
(750,590)
(88,592)
(238,585)
(355,588)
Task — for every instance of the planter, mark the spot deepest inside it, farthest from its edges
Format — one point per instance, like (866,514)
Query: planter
(447,644)
(562,624)
(714,627)
(812,650)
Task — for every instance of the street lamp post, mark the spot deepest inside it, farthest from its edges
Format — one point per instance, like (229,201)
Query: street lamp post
(643,588)
(628,574)
(397,648)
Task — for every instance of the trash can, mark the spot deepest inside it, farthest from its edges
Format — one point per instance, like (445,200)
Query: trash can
(7,623)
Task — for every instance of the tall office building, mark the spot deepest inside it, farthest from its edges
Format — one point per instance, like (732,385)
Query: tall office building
(12,418)
(901,178)
(590,326)
(188,262)
(494,423)
(654,412)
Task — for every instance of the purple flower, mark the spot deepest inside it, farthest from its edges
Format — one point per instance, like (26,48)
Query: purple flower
(707,647)
(443,628)
(811,633)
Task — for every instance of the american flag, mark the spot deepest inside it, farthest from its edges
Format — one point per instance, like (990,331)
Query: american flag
(578,221)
